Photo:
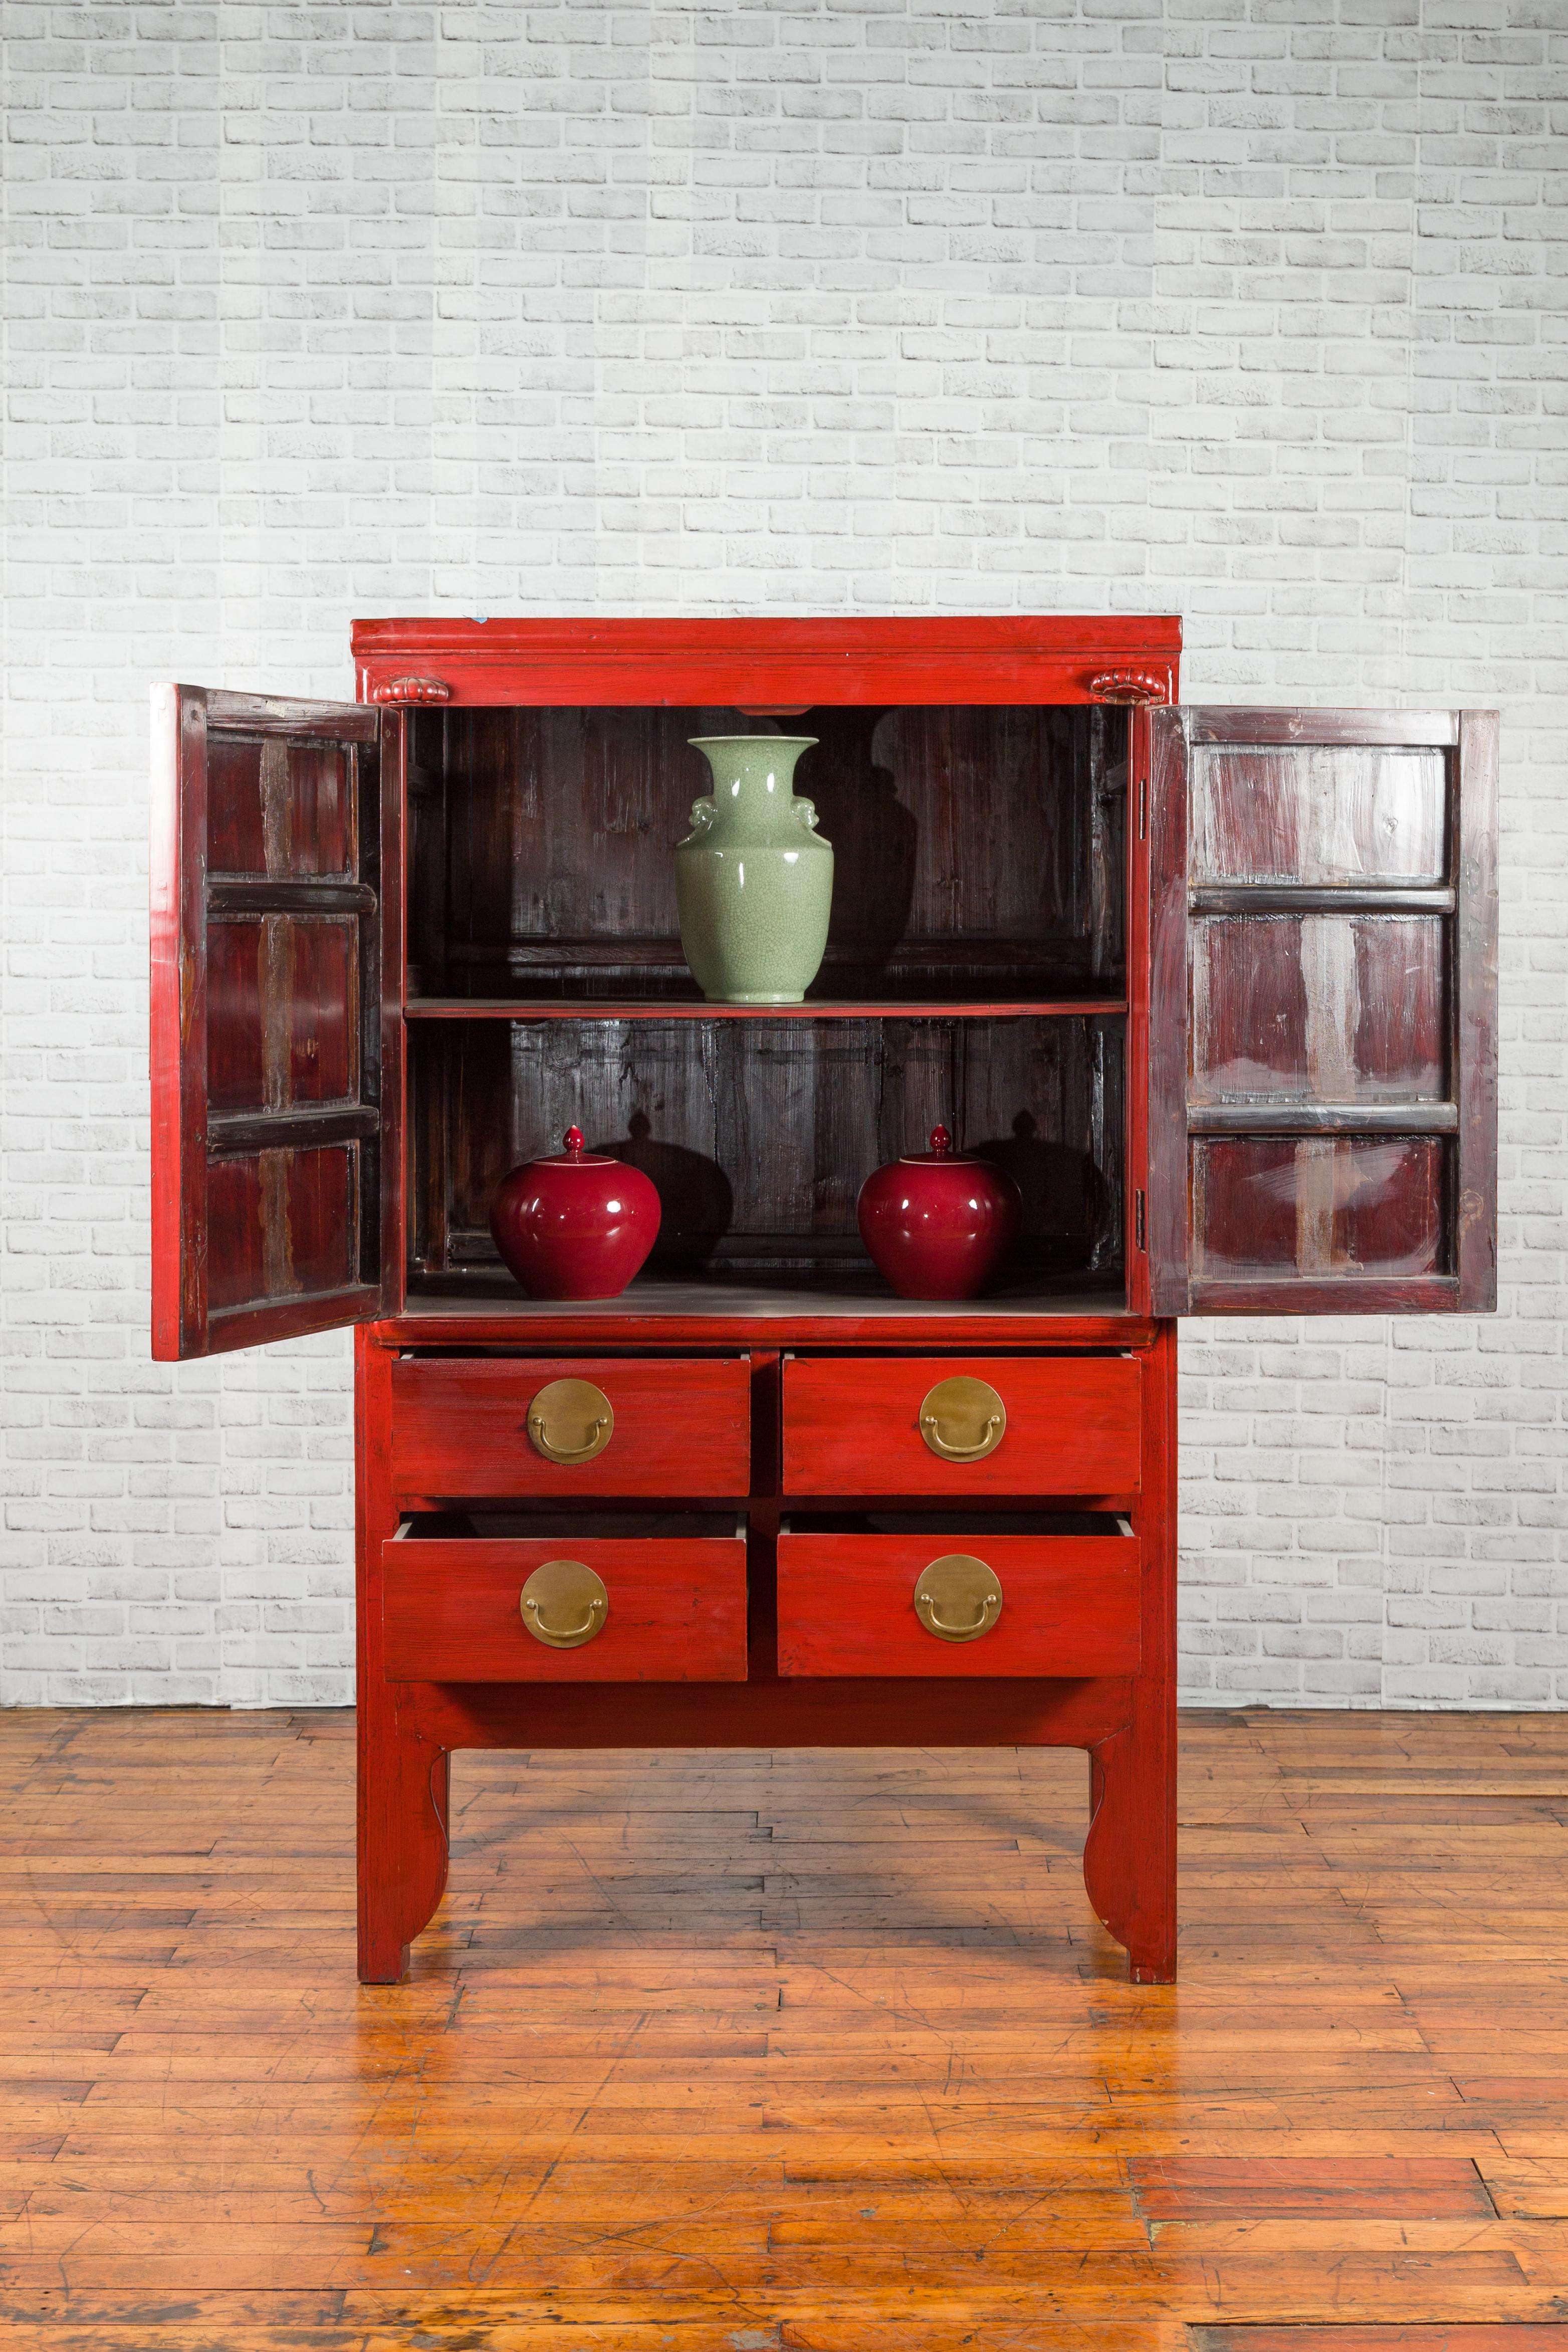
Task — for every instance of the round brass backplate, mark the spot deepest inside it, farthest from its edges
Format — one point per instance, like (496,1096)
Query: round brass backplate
(570,1421)
(957,1597)
(963,1419)
(564,1604)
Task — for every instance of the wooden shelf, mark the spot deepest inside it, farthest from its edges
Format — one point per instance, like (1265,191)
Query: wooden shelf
(846,1299)
(594,1008)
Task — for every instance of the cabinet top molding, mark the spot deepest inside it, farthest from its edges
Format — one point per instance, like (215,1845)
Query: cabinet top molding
(761,662)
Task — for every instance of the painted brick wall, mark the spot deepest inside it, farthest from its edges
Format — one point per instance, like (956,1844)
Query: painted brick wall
(1253,310)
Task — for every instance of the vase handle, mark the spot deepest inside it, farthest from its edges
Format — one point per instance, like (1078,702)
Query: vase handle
(805,813)
(703,812)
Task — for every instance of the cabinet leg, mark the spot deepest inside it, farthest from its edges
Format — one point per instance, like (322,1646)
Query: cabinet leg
(404,1792)
(1129,1855)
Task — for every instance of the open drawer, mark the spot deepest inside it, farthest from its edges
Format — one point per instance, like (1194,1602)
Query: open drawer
(637,1598)
(885,1592)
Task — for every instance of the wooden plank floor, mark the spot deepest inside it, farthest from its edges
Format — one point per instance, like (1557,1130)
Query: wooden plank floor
(723,2053)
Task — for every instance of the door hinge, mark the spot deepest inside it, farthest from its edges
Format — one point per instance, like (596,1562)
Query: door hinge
(1143,807)
(1138,1220)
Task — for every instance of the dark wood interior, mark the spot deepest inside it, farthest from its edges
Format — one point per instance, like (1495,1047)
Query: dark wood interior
(758,1135)
(976,973)
(979,850)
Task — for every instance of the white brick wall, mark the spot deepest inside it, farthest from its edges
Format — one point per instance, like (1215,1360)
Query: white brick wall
(1253,310)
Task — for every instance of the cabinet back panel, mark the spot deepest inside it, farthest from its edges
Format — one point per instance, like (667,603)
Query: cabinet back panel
(758,1135)
(969,842)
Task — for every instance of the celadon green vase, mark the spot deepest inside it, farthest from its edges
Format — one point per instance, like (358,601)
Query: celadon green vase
(754,879)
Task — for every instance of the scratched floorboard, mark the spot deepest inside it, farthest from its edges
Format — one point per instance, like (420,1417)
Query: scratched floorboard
(726,2054)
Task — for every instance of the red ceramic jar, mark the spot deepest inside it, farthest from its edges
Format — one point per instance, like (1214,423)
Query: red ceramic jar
(575,1226)
(938,1222)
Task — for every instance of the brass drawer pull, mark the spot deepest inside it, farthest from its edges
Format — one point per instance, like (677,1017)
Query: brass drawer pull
(570,1421)
(564,1604)
(957,1597)
(963,1419)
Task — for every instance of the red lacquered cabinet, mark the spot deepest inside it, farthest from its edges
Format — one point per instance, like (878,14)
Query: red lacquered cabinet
(1216,988)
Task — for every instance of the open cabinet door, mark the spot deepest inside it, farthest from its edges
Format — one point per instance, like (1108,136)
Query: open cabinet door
(1322,1011)
(276,1031)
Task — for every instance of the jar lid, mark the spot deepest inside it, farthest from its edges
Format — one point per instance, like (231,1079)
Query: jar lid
(575,1155)
(941,1153)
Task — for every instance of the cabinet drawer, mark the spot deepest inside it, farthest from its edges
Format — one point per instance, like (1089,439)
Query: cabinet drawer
(873,1426)
(672,1610)
(1069,1604)
(467,1426)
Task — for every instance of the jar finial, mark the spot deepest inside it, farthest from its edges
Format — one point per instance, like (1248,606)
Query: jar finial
(573,1140)
(941,1141)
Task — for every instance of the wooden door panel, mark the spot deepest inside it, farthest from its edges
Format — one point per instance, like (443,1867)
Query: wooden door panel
(1318,1008)
(280,806)
(1322,905)
(282,1011)
(276,1021)
(287,1223)
(1320,812)
(1265,1207)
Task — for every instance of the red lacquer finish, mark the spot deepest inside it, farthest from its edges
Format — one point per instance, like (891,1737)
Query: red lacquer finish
(939,1224)
(411,690)
(404,1771)
(676,1611)
(576,1224)
(1131,686)
(779,665)
(855,1427)
(460,1428)
(858,1711)
(1069,1605)
(1130,1852)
